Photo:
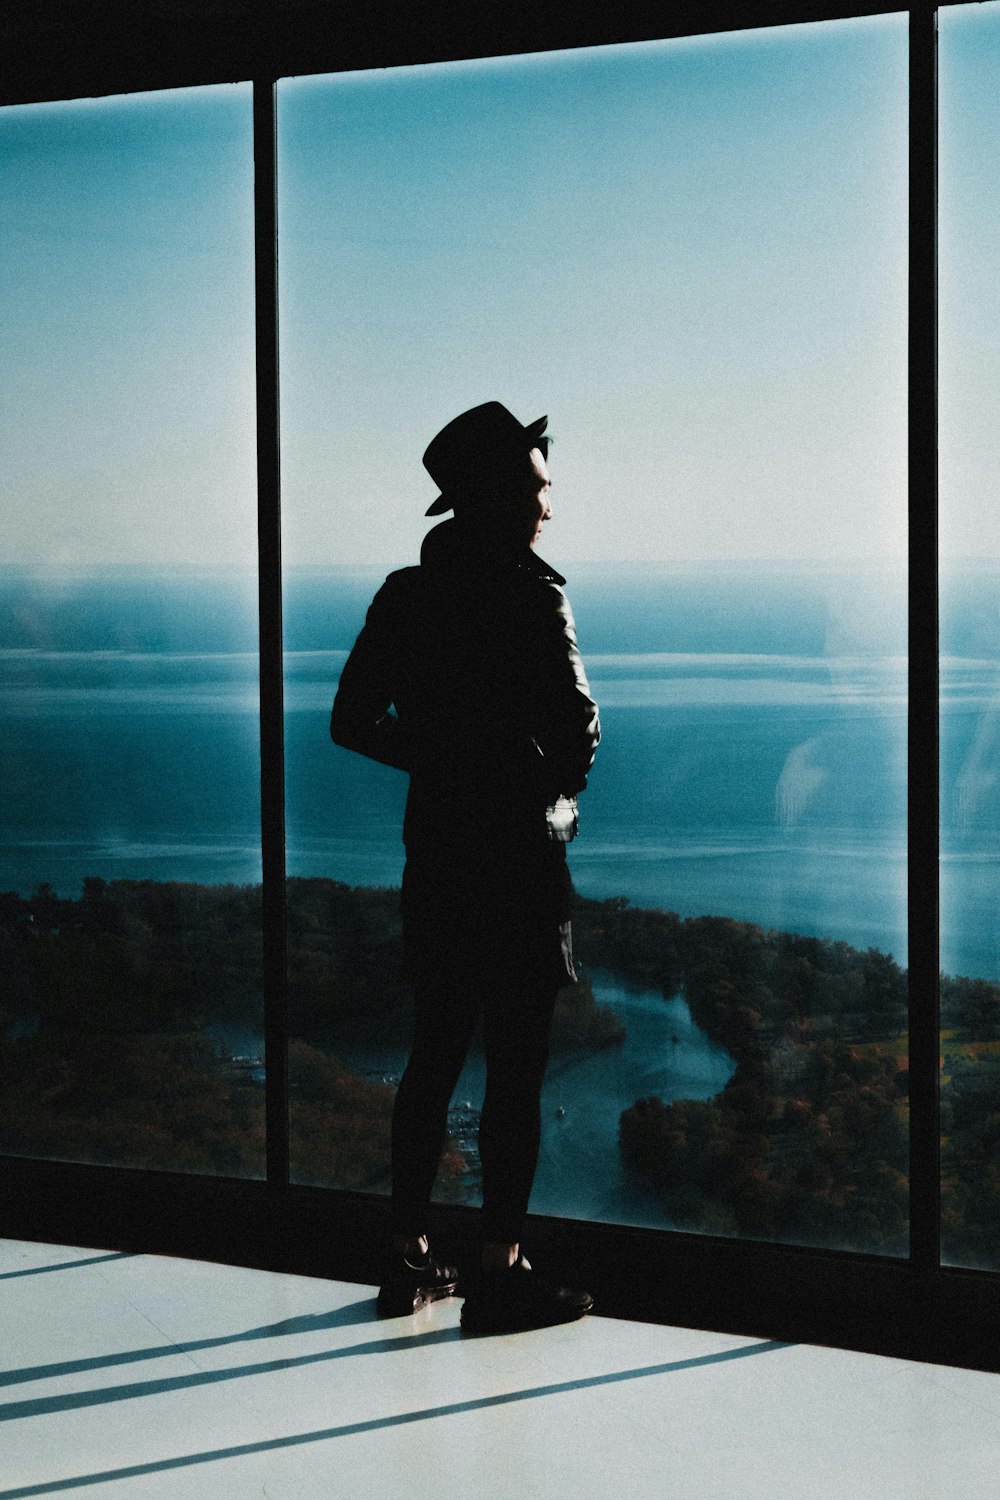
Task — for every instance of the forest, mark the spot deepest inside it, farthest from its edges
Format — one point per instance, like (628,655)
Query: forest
(808,1141)
(107,1054)
(106,1009)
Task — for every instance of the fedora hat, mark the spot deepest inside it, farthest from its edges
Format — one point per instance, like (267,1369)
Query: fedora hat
(471,444)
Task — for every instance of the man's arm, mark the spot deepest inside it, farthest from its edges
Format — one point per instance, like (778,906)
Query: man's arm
(568,729)
(361,719)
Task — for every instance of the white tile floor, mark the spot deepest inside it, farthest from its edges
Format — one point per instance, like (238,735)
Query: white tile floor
(142,1376)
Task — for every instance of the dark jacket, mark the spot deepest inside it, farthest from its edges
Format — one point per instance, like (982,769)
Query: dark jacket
(476,651)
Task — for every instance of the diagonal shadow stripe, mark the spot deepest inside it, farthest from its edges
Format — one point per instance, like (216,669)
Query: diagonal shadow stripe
(67,1265)
(341,1317)
(43,1406)
(379,1424)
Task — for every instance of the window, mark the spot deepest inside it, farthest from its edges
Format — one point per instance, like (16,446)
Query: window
(970,637)
(167,176)
(128,635)
(604,235)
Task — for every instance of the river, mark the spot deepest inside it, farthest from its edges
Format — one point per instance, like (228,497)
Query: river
(579,1173)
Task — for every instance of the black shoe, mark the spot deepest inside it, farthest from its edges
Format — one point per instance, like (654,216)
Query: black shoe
(406,1288)
(515,1300)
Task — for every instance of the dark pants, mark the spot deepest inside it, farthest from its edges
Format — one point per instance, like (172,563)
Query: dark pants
(517,1018)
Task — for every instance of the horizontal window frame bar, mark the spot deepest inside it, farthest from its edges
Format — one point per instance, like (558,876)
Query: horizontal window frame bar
(755,1288)
(56,51)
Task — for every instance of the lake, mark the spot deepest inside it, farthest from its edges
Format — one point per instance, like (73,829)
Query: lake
(764,784)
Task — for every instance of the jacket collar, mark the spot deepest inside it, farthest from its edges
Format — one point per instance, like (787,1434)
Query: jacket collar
(451,546)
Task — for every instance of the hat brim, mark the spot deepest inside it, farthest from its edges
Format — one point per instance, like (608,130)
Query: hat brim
(532,431)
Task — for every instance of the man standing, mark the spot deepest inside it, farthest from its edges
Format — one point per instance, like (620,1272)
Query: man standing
(476,651)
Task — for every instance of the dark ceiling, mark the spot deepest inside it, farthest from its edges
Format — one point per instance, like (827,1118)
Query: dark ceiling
(54,49)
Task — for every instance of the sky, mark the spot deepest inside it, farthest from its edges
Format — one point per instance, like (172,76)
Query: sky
(126,303)
(691,255)
(969,269)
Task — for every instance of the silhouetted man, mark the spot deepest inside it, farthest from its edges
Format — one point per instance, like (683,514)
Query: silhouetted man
(476,651)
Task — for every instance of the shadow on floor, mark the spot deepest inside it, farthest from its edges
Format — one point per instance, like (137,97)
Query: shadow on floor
(67,1265)
(340,1317)
(377,1424)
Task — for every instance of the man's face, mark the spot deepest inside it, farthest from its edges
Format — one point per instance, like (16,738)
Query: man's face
(535,507)
(515,506)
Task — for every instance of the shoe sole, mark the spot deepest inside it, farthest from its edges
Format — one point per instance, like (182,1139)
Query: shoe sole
(475,1325)
(394,1305)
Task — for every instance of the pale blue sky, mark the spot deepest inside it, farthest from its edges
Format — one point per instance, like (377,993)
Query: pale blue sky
(969,262)
(690,254)
(126,303)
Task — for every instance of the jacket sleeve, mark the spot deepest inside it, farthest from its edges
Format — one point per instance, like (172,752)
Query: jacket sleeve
(361,719)
(568,728)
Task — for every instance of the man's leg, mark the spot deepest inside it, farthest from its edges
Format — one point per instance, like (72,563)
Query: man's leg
(443,1023)
(509,1296)
(444,1019)
(517,1021)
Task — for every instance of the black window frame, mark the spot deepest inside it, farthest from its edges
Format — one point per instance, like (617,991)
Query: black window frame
(914,1307)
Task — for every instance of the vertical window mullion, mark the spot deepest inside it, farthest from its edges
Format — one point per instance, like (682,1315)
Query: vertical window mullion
(924,794)
(272,768)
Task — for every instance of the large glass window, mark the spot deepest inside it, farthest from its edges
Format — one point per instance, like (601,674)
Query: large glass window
(692,256)
(970,632)
(129,802)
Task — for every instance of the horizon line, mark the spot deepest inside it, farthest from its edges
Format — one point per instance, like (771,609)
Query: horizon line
(249,569)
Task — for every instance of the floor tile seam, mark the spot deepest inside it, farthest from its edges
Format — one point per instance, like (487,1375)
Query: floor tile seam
(488,1384)
(640,1426)
(242,1399)
(488,1396)
(787,1430)
(724,1474)
(142,1362)
(489,1380)
(613,1376)
(990,1410)
(657,1353)
(898,1447)
(923,1384)
(827,1425)
(704,1494)
(178,1348)
(963,1402)
(233,1389)
(690,1385)
(403,1389)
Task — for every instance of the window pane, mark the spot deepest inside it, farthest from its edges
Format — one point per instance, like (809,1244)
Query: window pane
(692,255)
(970,632)
(130,803)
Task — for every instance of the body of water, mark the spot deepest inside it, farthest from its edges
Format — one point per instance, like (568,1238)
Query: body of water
(579,1168)
(767,785)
